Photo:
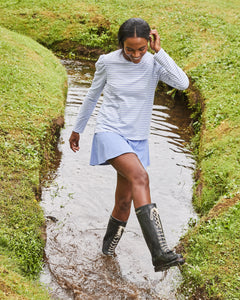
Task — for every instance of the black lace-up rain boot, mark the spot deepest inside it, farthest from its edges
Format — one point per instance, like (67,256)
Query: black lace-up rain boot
(162,257)
(113,234)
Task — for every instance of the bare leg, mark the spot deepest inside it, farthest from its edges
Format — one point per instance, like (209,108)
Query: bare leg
(136,179)
(123,199)
(132,183)
(133,177)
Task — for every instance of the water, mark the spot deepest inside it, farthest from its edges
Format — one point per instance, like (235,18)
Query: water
(79,199)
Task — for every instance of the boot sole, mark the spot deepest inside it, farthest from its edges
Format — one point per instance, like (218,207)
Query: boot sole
(166,266)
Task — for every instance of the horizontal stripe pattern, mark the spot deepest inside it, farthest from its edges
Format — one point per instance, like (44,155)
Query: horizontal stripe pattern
(128,92)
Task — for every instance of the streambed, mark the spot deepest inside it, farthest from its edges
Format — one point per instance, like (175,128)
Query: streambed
(79,198)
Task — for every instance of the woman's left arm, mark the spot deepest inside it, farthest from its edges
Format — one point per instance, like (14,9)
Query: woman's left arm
(169,72)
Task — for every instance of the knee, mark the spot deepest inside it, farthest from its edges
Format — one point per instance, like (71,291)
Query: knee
(141,178)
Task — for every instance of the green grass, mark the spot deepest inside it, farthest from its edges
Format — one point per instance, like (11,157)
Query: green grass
(204,39)
(14,286)
(212,252)
(32,95)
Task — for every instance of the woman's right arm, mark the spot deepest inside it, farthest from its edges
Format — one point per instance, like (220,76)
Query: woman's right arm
(89,103)
(92,96)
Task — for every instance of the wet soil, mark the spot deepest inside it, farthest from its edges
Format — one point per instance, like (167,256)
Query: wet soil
(79,198)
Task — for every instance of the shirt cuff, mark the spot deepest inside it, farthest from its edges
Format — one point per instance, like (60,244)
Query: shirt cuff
(160,55)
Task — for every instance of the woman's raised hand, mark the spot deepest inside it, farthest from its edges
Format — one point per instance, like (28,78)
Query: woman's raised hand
(74,141)
(155,42)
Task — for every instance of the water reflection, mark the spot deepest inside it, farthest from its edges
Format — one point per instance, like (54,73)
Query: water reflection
(80,199)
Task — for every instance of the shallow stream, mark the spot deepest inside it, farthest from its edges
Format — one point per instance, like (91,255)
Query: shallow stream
(79,198)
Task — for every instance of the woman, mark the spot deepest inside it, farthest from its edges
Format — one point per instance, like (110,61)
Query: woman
(128,78)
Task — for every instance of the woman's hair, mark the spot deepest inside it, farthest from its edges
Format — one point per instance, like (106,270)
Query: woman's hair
(134,27)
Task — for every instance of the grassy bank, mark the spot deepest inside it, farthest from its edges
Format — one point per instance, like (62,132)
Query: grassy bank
(32,95)
(204,38)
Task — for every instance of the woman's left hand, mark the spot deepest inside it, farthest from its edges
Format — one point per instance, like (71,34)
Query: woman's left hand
(155,42)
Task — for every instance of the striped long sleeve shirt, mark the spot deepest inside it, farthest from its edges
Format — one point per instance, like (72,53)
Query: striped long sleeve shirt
(128,92)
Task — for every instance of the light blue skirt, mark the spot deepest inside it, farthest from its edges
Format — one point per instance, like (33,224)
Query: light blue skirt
(108,145)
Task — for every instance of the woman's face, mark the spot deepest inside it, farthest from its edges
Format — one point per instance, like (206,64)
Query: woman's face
(134,48)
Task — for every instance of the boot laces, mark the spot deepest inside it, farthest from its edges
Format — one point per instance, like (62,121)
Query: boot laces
(154,216)
(115,240)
